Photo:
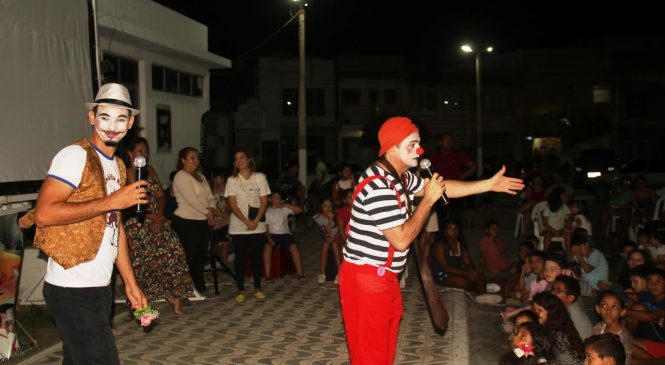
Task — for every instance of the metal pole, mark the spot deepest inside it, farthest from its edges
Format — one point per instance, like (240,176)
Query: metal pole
(479,118)
(302,102)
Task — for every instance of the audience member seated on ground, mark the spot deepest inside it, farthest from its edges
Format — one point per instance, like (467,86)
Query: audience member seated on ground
(555,265)
(593,265)
(345,181)
(532,281)
(567,288)
(534,193)
(325,219)
(451,264)
(278,233)
(612,310)
(555,216)
(531,343)
(552,314)
(643,200)
(494,262)
(621,275)
(619,204)
(512,289)
(605,349)
(638,284)
(645,317)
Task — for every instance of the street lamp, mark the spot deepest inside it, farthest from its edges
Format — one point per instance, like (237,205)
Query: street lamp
(467,48)
(302,97)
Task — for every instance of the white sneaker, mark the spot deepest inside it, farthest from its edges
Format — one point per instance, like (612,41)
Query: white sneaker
(197,295)
(321,279)
(336,279)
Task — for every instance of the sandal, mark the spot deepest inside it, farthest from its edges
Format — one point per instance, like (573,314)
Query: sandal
(177,306)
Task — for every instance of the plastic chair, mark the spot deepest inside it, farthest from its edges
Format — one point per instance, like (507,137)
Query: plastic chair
(519,224)
(660,205)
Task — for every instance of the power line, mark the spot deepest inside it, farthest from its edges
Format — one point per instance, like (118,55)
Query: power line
(269,37)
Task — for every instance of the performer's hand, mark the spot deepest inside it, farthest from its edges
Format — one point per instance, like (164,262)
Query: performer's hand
(129,195)
(136,297)
(434,188)
(503,184)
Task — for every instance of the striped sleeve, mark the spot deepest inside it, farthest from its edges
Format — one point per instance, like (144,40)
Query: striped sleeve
(382,206)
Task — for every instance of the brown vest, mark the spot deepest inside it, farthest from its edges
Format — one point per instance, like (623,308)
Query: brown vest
(76,243)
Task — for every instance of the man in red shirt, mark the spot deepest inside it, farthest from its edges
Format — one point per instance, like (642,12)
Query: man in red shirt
(452,164)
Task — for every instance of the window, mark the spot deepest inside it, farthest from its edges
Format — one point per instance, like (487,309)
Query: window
(316,105)
(351,96)
(390,97)
(601,95)
(176,82)
(373,97)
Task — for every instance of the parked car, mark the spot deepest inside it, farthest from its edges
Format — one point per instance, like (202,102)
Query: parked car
(593,163)
(652,168)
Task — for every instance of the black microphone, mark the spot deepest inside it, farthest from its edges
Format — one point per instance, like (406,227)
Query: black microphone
(139,163)
(425,165)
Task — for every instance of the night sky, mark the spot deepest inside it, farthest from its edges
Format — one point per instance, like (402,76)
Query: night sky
(416,29)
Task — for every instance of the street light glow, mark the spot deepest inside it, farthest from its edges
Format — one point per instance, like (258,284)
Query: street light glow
(489,49)
(466,48)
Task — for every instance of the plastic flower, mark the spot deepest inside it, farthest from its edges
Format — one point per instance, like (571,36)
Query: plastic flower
(146,315)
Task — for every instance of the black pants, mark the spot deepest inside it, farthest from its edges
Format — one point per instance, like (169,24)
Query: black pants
(254,243)
(194,237)
(81,316)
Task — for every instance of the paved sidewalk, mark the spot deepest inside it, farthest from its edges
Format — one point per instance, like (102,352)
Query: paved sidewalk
(300,323)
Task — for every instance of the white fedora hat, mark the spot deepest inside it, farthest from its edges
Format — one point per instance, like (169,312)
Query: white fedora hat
(115,96)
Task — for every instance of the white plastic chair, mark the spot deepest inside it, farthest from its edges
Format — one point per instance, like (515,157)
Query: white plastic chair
(519,224)
(660,205)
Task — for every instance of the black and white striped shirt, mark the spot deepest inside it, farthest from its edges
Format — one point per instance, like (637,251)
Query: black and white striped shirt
(376,209)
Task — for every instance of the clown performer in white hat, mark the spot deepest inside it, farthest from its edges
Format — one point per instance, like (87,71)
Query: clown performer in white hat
(79,227)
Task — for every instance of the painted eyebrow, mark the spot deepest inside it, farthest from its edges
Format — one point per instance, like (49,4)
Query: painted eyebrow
(108,115)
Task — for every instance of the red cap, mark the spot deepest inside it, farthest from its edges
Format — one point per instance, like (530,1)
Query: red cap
(393,131)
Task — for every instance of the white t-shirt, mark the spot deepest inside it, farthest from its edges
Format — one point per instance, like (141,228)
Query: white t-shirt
(67,167)
(557,219)
(248,192)
(584,223)
(278,220)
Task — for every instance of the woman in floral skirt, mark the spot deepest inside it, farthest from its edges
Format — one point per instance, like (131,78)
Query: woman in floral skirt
(157,256)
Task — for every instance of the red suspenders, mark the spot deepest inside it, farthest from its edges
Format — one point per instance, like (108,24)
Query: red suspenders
(381,270)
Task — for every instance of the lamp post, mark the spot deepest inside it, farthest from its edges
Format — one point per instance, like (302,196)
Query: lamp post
(466,48)
(302,97)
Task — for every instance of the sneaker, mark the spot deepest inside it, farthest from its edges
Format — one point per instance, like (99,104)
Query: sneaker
(259,294)
(240,297)
(321,279)
(336,279)
(197,295)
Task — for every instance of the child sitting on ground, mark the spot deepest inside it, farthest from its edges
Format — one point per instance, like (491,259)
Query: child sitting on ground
(530,344)
(646,319)
(611,310)
(605,349)
(567,288)
(494,262)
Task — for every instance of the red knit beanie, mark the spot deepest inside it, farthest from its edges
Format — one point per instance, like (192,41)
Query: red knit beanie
(393,131)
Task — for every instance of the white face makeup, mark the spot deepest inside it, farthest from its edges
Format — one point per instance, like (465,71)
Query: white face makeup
(111,124)
(406,150)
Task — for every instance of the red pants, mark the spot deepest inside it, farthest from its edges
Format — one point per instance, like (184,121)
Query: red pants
(372,309)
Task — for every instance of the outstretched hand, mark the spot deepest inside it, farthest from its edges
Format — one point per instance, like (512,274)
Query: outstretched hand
(504,184)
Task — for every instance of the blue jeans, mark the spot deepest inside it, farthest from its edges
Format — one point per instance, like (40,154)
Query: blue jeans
(82,317)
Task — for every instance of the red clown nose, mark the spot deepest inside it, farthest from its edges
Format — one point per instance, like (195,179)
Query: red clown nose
(420,151)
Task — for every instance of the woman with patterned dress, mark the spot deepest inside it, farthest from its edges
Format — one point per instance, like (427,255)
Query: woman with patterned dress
(157,256)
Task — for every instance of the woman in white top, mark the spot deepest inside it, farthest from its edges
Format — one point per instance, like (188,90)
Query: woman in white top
(247,192)
(194,215)
(555,217)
